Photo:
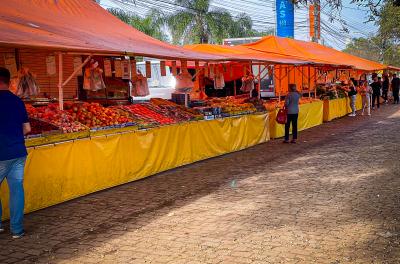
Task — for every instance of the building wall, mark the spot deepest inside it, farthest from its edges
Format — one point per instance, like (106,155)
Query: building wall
(35,60)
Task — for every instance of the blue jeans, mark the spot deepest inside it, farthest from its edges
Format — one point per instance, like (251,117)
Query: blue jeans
(13,171)
(353,100)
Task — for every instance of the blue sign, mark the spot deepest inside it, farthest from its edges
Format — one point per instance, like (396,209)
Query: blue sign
(284,18)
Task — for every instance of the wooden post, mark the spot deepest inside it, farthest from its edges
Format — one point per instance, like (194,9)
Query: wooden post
(280,83)
(60,81)
(309,81)
(302,79)
(315,84)
(259,81)
(130,85)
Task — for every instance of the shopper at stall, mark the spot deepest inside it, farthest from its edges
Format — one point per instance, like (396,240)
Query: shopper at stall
(385,88)
(292,106)
(352,93)
(395,88)
(365,91)
(376,92)
(13,125)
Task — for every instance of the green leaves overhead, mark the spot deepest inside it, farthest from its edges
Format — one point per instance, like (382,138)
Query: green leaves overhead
(194,22)
(150,25)
(197,22)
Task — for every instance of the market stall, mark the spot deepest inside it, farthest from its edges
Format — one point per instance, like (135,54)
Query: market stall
(333,87)
(339,107)
(78,146)
(59,172)
(330,65)
(310,115)
(81,144)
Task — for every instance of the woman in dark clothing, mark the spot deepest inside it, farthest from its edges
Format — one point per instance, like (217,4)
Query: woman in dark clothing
(376,92)
(395,88)
(385,88)
(292,106)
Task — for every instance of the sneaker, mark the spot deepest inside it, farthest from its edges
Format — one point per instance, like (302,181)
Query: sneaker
(294,141)
(285,141)
(1,230)
(369,114)
(352,115)
(19,235)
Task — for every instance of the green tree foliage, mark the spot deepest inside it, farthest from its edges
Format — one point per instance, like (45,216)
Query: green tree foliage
(389,21)
(375,48)
(365,48)
(197,22)
(385,45)
(148,25)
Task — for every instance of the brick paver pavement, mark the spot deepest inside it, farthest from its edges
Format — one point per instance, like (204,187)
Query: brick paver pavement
(332,198)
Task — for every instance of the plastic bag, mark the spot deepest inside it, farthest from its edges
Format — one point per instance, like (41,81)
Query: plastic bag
(140,86)
(219,81)
(247,84)
(27,85)
(184,82)
(93,79)
(281,117)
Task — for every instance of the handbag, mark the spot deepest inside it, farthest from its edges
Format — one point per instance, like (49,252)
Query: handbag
(281,117)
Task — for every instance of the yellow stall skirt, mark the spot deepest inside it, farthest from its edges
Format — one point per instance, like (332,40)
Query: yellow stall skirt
(310,115)
(61,172)
(339,107)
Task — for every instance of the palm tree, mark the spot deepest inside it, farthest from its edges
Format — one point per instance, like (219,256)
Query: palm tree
(197,22)
(148,25)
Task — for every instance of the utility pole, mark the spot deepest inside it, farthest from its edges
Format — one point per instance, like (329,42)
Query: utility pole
(317,21)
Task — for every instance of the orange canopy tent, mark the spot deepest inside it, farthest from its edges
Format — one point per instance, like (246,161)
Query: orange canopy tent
(312,51)
(246,54)
(393,68)
(240,53)
(80,25)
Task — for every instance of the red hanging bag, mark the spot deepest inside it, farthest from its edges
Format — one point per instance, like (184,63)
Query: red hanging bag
(281,117)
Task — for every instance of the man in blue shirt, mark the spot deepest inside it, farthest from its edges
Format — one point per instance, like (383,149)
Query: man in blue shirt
(14,124)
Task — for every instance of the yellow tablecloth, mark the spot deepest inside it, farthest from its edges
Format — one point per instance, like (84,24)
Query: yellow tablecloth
(339,107)
(57,173)
(310,115)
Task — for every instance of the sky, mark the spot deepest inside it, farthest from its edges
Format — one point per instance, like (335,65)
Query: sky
(262,13)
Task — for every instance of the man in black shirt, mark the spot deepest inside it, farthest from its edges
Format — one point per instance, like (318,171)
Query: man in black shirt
(385,88)
(376,92)
(395,88)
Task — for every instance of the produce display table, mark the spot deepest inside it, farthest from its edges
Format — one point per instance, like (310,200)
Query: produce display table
(310,115)
(337,108)
(59,172)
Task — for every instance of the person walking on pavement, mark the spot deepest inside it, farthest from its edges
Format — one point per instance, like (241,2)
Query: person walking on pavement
(385,88)
(365,91)
(14,124)
(395,88)
(292,106)
(376,92)
(352,93)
